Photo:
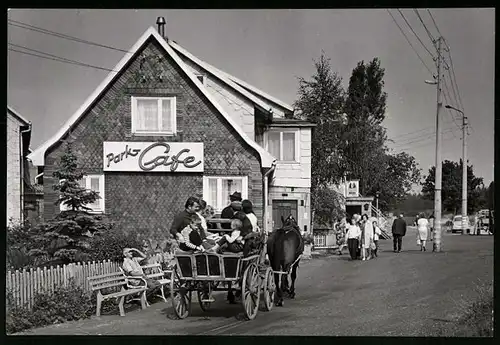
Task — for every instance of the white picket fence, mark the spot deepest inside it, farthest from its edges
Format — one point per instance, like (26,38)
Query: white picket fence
(26,283)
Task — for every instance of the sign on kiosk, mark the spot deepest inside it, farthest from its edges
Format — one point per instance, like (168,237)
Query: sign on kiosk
(153,156)
(353,188)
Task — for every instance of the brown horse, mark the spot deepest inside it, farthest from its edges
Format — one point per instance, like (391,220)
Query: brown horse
(284,248)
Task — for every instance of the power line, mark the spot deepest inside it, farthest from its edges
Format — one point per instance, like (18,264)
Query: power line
(417,131)
(423,138)
(433,40)
(60,35)
(62,60)
(58,57)
(418,37)
(455,98)
(416,138)
(435,24)
(409,42)
(446,97)
(426,144)
(455,78)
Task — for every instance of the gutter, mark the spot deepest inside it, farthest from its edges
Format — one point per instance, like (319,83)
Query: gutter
(266,188)
(21,151)
(37,177)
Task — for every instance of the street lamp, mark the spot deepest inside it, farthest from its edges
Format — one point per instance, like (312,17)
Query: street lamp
(464,167)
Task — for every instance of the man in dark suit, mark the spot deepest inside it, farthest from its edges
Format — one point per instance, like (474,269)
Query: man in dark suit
(398,231)
(231,209)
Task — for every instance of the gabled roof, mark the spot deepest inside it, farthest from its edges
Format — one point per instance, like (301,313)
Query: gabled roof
(18,116)
(240,86)
(38,156)
(220,75)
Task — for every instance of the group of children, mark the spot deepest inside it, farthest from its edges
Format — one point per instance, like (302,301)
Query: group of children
(194,238)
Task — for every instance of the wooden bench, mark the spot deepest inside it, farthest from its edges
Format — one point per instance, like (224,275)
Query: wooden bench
(154,271)
(117,279)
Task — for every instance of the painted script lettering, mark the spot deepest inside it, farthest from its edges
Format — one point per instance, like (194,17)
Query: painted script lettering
(119,157)
(148,164)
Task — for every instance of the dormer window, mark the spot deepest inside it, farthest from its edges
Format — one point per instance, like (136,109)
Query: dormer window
(283,144)
(153,115)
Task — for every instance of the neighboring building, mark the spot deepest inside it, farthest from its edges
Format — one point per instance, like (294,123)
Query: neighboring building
(18,141)
(162,104)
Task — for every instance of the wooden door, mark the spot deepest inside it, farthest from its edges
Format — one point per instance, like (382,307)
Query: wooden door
(283,208)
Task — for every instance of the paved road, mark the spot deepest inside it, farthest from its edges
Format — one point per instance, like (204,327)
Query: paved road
(404,294)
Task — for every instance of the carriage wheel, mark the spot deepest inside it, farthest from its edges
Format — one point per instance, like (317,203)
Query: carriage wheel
(180,295)
(205,306)
(250,291)
(269,289)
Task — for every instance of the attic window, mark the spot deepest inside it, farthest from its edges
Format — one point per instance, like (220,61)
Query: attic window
(201,78)
(153,115)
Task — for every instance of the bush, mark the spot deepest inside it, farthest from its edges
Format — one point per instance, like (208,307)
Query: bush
(21,238)
(109,245)
(65,304)
(308,238)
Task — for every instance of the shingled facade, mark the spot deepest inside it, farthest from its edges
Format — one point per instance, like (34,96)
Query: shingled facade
(221,121)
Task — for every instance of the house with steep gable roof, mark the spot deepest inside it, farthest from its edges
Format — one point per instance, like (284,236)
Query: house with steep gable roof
(165,125)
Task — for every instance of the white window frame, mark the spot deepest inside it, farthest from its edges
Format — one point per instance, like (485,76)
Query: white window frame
(173,111)
(223,203)
(101,200)
(296,131)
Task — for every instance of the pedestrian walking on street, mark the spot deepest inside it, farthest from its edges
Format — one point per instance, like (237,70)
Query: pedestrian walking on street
(367,238)
(431,227)
(376,235)
(422,232)
(353,236)
(398,232)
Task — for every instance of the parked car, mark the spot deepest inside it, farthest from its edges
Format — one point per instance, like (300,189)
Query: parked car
(457,225)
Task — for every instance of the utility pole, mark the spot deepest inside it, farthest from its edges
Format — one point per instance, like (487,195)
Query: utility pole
(464,168)
(464,175)
(437,178)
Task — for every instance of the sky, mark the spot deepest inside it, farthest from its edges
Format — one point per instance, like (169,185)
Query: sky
(270,49)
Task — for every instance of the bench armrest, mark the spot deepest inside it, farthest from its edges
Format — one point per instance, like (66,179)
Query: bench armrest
(127,278)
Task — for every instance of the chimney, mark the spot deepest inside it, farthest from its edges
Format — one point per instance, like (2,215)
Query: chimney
(160,21)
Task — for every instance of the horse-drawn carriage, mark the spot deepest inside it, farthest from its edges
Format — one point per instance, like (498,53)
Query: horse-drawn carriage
(248,275)
(203,273)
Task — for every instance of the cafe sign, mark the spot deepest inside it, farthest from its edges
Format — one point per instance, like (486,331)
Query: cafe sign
(153,156)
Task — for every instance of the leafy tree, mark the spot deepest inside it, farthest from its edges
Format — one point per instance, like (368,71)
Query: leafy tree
(320,101)
(491,196)
(394,181)
(365,136)
(67,236)
(413,205)
(451,190)
(329,206)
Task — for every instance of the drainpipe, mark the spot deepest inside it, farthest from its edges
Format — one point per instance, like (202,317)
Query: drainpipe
(37,177)
(266,187)
(21,151)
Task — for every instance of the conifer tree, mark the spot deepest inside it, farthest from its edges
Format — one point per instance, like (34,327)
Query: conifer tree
(66,237)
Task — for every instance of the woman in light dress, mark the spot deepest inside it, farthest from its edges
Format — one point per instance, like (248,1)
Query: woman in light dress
(422,232)
(376,235)
(367,238)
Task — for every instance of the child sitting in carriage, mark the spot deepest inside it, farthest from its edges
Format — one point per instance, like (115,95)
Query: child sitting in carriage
(192,237)
(232,243)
